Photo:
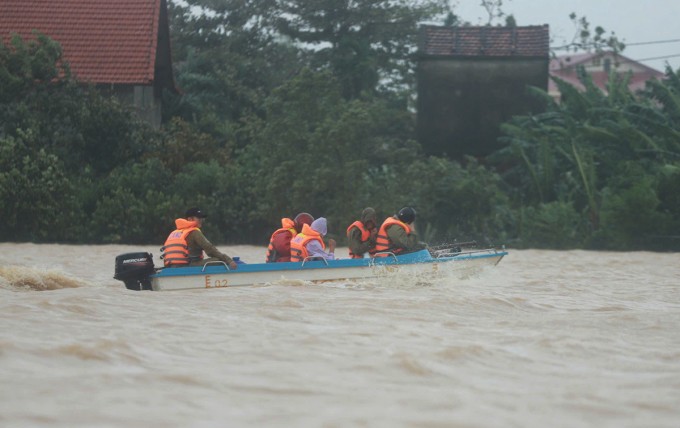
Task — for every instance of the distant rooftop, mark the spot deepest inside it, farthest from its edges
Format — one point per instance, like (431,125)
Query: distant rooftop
(104,41)
(529,41)
(599,65)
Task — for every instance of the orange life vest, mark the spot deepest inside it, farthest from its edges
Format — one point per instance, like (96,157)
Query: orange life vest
(175,251)
(365,235)
(298,245)
(279,243)
(383,243)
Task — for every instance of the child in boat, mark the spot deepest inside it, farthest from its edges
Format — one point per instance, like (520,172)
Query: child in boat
(309,242)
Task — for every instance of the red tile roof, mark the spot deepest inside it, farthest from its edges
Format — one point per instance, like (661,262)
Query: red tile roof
(530,41)
(105,41)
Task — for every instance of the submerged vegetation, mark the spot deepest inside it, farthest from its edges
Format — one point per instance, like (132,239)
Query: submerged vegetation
(312,113)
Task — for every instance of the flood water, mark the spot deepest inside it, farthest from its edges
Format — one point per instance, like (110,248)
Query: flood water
(544,339)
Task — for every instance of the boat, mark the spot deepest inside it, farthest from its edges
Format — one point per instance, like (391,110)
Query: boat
(137,271)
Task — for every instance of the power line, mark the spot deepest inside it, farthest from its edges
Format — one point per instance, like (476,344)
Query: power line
(654,42)
(623,60)
(658,57)
(657,42)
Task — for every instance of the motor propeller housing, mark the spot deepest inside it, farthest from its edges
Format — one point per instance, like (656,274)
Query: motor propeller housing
(134,270)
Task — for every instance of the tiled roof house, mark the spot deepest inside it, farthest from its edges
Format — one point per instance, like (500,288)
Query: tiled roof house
(599,65)
(490,42)
(119,45)
(471,79)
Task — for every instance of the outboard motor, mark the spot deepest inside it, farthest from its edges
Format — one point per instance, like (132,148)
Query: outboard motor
(134,270)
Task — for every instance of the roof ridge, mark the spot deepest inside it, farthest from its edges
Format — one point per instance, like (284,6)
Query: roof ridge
(485,41)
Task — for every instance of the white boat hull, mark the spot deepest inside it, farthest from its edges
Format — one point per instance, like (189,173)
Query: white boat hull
(420,263)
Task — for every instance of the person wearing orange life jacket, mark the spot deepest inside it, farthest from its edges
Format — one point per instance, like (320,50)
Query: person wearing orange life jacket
(361,235)
(309,242)
(397,234)
(279,243)
(185,245)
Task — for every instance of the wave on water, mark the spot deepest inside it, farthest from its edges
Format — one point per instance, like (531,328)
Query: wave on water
(21,278)
(102,350)
(409,277)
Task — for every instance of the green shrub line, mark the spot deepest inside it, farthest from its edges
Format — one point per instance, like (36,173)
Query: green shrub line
(596,171)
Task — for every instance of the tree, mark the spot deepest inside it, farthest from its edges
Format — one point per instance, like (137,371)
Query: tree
(33,188)
(25,65)
(587,39)
(324,154)
(86,130)
(494,8)
(227,61)
(600,155)
(368,45)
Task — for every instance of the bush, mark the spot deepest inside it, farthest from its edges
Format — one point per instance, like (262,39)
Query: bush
(37,197)
(554,225)
(134,206)
(454,201)
(630,219)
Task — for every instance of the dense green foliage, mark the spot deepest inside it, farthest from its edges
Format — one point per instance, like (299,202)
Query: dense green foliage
(599,170)
(310,112)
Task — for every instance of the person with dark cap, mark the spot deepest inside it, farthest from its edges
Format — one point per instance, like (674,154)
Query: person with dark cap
(361,235)
(397,234)
(279,243)
(185,245)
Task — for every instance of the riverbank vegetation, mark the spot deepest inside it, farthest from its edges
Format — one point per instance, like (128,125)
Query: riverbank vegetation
(313,113)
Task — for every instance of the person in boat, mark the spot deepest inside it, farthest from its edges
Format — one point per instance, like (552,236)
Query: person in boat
(309,242)
(279,243)
(361,235)
(397,234)
(186,244)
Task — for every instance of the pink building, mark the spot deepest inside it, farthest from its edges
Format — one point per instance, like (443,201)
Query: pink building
(599,65)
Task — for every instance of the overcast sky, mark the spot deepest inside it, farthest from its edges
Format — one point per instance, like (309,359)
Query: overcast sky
(633,21)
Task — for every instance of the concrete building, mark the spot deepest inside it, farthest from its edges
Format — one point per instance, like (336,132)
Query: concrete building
(472,79)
